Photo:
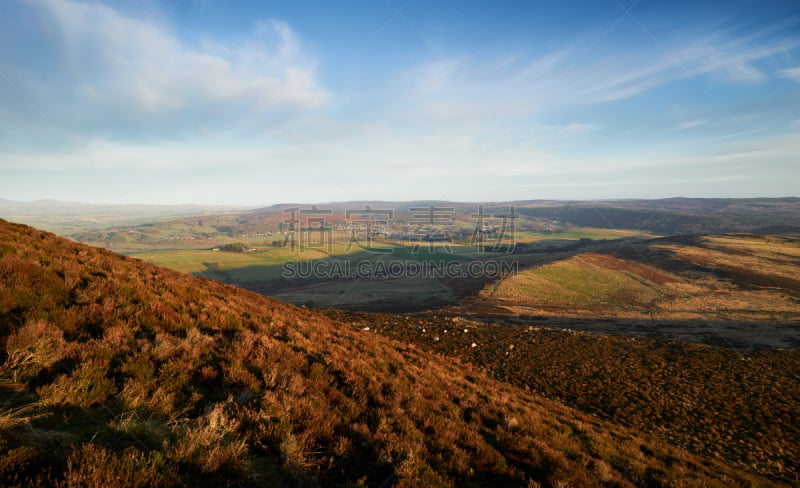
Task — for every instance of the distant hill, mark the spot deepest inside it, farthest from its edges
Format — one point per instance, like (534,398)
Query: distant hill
(85,222)
(667,216)
(677,215)
(66,218)
(119,373)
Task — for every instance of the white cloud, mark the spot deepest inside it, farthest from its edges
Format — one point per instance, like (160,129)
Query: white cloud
(431,78)
(691,123)
(505,117)
(792,74)
(465,88)
(620,76)
(381,164)
(136,95)
(111,73)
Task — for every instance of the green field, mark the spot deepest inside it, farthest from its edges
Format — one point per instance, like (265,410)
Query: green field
(576,233)
(582,281)
(329,275)
(265,263)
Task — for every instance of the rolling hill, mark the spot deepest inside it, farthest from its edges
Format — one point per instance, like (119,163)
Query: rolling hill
(672,216)
(729,277)
(116,372)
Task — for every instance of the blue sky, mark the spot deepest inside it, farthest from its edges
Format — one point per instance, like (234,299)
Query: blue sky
(250,103)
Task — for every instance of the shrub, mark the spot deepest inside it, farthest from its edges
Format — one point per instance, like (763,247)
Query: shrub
(87,386)
(94,466)
(211,442)
(35,346)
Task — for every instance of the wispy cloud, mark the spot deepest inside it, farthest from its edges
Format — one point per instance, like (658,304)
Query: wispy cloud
(691,123)
(466,87)
(627,74)
(792,74)
(105,72)
(111,91)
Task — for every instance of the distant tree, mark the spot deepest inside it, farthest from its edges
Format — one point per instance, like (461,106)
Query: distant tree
(234,247)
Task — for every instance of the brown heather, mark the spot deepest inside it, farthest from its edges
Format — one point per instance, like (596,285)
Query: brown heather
(736,405)
(119,373)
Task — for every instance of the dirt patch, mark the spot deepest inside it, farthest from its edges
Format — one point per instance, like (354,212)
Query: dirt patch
(627,266)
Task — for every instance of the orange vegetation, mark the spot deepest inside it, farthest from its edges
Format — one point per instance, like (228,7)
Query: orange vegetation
(119,373)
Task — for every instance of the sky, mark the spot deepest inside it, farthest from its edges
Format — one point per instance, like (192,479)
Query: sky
(253,103)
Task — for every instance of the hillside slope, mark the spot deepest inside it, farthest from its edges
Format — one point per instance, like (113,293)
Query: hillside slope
(119,373)
(729,277)
(736,404)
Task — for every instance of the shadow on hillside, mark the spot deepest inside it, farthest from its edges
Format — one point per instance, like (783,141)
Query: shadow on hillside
(743,276)
(403,282)
(744,336)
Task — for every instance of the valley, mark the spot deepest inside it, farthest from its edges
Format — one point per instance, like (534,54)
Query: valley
(546,354)
(116,371)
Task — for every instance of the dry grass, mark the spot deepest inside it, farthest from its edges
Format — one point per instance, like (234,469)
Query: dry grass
(166,379)
(13,418)
(33,347)
(712,401)
(728,277)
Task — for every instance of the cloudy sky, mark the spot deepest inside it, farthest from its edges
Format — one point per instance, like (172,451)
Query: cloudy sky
(235,102)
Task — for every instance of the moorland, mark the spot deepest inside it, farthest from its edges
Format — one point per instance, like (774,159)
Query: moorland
(655,344)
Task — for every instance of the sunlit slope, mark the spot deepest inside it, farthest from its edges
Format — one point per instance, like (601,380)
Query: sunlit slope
(727,277)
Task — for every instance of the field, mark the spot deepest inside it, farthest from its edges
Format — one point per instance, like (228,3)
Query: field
(75,219)
(576,233)
(263,269)
(564,269)
(584,281)
(263,265)
(733,277)
(387,294)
